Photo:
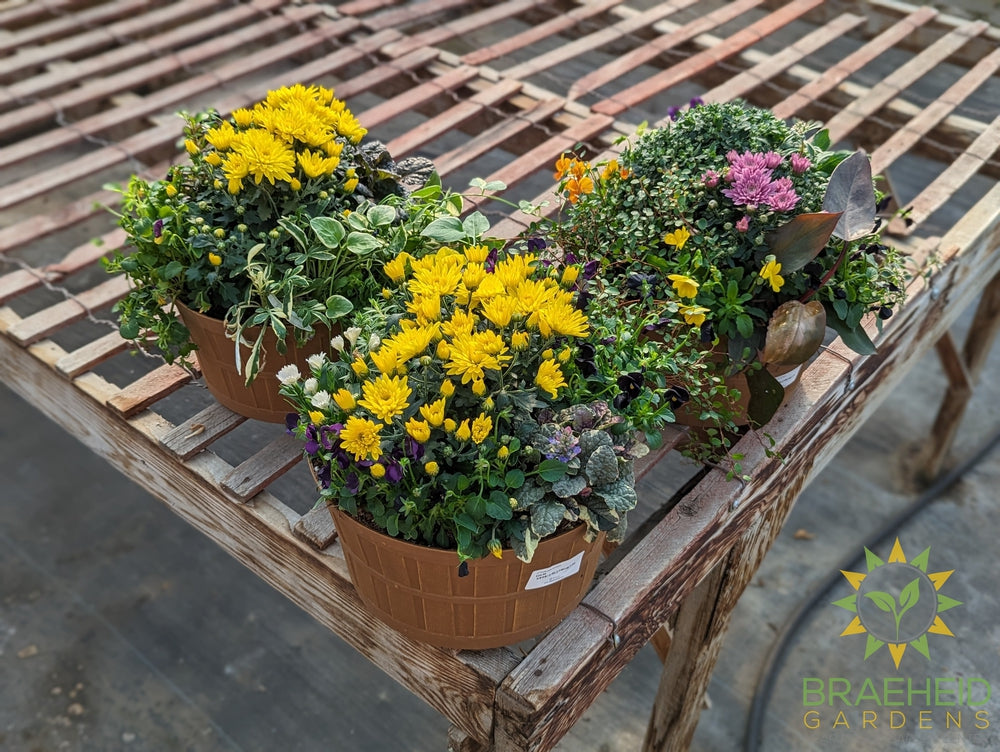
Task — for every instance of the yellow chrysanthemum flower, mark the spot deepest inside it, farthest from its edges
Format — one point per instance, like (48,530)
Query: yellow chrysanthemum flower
(464,431)
(426,308)
(315,165)
(503,452)
(316,417)
(242,117)
(419,430)
(433,412)
(500,309)
(396,269)
(361,437)
(562,318)
(513,270)
(443,350)
(441,277)
(191,146)
(385,358)
(213,158)
(413,341)
(235,167)
(385,397)
(447,388)
(359,367)
(461,322)
(431,468)
(474,274)
(570,275)
(377,470)
(478,387)
(495,548)
(267,157)
(684,285)
(450,425)
(469,359)
(532,295)
(221,137)
(481,428)
(477,254)
(550,377)
(214,259)
(519,340)
(345,400)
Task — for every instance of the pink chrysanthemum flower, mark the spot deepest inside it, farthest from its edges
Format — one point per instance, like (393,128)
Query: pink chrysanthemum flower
(744,224)
(750,187)
(710,178)
(783,198)
(800,164)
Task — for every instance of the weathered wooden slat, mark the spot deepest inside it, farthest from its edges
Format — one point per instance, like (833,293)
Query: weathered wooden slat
(652,49)
(845,121)
(907,137)
(90,355)
(253,475)
(955,175)
(33,328)
(360,7)
(169,41)
(316,528)
(155,102)
(585,44)
(413,98)
(496,135)
(371,79)
(452,118)
(65,24)
(698,63)
(410,13)
(463,25)
(22,15)
(538,32)
(135,77)
(193,435)
(765,70)
(148,390)
(460,686)
(838,72)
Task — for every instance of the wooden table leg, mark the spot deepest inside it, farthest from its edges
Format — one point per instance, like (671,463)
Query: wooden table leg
(963,372)
(459,741)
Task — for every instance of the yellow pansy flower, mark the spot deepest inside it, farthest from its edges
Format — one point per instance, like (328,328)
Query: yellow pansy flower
(677,238)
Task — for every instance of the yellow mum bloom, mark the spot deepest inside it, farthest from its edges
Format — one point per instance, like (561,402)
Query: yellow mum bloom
(684,285)
(548,354)
(447,388)
(345,400)
(562,318)
(385,398)
(478,387)
(565,354)
(519,340)
(677,238)
(221,137)
(464,432)
(500,309)
(503,452)
(214,259)
(434,412)
(481,428)
(191,146)
(477,254)
(550,377)
(213,158)
(473,275)
(385,358)
(495,548)
(419,430)
(242,117)
(443,351)
(268,158)
(359,367)
(316,417)
(396,269)
(315,165)
(513,270)
(570,275)
(171,189)
(377,470)
(235,167)
(426,308)
(441,277)
(490,287)
(361,437)
(532,296)
(350,185)
(693,315)
(770,273)
(431,468)
(449,425)
(461,322)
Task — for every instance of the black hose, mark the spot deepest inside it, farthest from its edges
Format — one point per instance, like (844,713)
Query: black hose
(776,656)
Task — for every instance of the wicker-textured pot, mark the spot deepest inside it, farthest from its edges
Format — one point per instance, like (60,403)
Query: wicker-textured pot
(416,589)
(260,399)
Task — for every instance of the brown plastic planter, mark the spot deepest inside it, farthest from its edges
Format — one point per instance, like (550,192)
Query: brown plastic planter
(217,358)
(417,590)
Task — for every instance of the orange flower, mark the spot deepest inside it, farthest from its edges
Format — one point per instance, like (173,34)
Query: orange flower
(579,186)
(562,167)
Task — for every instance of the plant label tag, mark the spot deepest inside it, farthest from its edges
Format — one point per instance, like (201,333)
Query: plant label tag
(550,575)
(786,379)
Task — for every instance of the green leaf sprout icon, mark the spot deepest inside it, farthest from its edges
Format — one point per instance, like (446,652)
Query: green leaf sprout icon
(907,599)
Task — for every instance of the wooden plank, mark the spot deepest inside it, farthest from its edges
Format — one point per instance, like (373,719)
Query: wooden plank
(957,174)
(165,42)
(496,135)
(845,121)
(764,71)
(33,228)
(92,354)
(148,389)
(539,32)
(253,475)
(545,694)
(375,77)
(414,97)
(909,135)
(65,24)
(31,12)
(640,92)
(316,528)
(624,64)
(453,118)
(587,44)
(196,433)
(838,72)
(33,328)
(132,77)
(410,13)
(450,29)
(158,100)
(461,686)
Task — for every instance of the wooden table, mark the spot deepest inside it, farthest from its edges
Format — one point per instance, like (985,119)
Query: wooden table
(498,90)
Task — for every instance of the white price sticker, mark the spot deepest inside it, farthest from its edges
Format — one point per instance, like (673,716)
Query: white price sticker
(550,575)
(786,379)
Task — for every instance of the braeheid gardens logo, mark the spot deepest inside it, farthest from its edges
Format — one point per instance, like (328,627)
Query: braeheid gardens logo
(897,605)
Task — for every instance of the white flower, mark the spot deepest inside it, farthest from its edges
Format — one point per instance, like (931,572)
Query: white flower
(352,335)
(289,374)
(321,400)
(337,343)
(310,386)
(316,361)
(373,342)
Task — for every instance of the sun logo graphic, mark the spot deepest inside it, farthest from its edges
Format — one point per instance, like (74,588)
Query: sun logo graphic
(897,603)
